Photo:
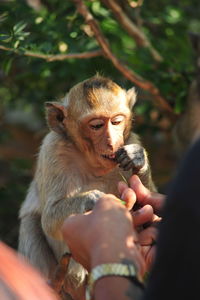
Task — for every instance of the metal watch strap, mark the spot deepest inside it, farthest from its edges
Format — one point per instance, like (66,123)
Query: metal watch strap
(111,269)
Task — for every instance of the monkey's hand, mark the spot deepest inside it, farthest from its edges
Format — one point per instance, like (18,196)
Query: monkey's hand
(91,198)
(131,156)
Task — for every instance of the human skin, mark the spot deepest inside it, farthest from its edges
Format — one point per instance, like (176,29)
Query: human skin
(151,207)
(19,280)
(108,224)
(109,235)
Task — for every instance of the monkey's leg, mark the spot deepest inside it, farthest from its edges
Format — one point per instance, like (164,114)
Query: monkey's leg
(58,278)
(34,246)
(73,293)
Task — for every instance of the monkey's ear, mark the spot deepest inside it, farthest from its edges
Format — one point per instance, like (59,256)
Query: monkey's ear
(131,97)
(55,114)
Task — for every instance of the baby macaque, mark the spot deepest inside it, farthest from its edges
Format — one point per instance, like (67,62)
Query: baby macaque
(89,148)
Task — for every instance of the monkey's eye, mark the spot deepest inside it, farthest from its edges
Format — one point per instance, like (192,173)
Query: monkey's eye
(117,120)
(96,124)
(96,127)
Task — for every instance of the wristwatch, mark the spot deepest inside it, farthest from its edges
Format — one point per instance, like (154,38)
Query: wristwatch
(111,269)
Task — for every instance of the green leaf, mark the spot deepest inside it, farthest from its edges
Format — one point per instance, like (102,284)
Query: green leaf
(3,17)
(19,27)
(7,64)
(16,44)
(5,38)
(122,202)
(99,10)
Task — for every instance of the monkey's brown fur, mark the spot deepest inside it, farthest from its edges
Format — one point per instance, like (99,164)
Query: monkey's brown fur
(77,163)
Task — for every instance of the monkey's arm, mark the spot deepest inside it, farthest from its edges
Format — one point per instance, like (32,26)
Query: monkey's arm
(32,241)
(134,156)
(57,210)
(34,246)
(62,184)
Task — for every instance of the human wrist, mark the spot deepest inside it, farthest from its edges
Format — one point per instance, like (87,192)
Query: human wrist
(103,256)
(122,254)
(125,269)
(117,288)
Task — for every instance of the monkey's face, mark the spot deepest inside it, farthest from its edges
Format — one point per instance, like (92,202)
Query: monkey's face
(104,135)
(96,117)
(104,128)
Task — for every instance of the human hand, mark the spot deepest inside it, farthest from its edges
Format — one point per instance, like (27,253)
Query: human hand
(145,214)
(136,191)
(107,235)
(145,196)
(147,238)
(144,218)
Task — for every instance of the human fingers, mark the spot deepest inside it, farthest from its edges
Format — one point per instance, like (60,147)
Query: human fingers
(129,196)
(145,196)
(148,254)
(147,238)
(111,242)
(96,227)
(143,215)
(122,186)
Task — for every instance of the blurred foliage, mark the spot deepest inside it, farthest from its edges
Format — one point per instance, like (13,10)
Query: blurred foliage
(56,27)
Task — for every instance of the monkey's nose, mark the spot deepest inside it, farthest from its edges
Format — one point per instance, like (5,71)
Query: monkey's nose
(110,146)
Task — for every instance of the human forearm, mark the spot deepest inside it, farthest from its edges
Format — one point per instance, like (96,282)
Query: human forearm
(118,285)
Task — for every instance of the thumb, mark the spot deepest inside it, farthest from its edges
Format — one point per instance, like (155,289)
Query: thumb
(141,191)
(145,196)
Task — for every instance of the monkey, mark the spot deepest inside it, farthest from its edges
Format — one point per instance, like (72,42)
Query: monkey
(89,148)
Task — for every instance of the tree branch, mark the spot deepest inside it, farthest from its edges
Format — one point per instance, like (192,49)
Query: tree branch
(35,4)
(131,75)
(131,28)
(56,57)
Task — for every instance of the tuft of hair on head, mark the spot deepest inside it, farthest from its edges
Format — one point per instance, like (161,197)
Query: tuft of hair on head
(94,84)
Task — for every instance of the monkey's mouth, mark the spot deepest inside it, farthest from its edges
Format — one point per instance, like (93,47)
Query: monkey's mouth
(109,156)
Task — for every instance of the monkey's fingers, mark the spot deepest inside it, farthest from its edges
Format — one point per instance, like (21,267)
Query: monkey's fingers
(136,164)
(124,160)
(132,157)
(122,154)
(127,166)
